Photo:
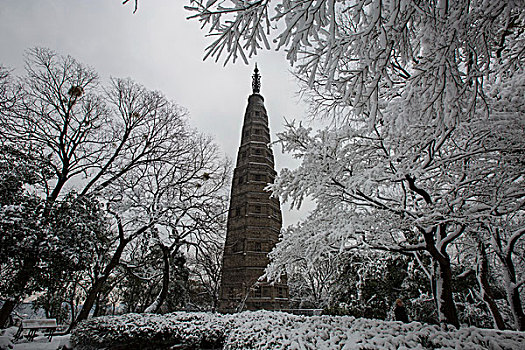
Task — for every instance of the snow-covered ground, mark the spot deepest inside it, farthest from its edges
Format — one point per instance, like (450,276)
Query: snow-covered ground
(38,343)
(42,343)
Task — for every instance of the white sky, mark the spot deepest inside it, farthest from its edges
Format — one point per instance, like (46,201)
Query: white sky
(160,49)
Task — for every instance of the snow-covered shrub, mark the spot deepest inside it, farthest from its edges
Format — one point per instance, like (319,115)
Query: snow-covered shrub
(149,331)
(264,330)
(422,309)
(276,330)
(474,313)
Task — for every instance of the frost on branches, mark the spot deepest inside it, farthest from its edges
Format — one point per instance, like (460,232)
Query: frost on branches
(395,193)
(425,145)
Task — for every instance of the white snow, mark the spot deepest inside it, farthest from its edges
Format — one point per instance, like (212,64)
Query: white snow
(42,343)
(276,330)
(38,343)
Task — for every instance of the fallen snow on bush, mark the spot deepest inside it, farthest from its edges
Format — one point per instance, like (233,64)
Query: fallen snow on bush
(264,330)
(275,330)
(149,331)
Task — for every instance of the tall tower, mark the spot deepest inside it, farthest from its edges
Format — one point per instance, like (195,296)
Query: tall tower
(254,218)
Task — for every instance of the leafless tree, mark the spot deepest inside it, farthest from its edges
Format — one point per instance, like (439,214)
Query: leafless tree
(176,197)
(206,265)
(90,136)
(188,195)
(7,94)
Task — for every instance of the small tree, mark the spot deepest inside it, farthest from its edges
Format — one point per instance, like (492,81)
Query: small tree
(77,224)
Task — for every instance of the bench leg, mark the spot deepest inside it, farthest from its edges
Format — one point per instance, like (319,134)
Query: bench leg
(31,335)
(50,333)
(18,334)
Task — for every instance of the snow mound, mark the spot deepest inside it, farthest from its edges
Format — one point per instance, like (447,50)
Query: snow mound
(276,330)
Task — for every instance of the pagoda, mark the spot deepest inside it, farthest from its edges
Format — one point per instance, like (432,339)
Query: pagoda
(254,218)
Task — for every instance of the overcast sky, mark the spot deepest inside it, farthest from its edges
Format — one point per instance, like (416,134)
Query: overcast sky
(160,49)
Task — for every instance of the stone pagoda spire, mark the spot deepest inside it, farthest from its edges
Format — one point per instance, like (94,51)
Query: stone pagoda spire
(254,218)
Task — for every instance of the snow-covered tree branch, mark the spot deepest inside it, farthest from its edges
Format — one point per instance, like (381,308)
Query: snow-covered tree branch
(425,119)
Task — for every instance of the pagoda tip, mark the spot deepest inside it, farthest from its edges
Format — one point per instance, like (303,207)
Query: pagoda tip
(256,80)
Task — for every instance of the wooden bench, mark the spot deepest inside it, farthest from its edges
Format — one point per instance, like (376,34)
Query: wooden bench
(49,325)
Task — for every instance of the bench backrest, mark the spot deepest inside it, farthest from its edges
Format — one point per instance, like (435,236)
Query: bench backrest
(43,323)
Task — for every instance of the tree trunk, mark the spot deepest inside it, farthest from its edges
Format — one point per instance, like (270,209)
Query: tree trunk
(20,282)
(159,300)
(72,306)
(493,307)
(6,310)
(433,289)
(485,290)
(96,312)
(513,297)
(513,293)
(441,274)
(447,312)
(72,299)
(51,199)
(99,283)
(511,288)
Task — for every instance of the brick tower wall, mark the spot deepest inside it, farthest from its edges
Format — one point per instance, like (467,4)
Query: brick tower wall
(254,221)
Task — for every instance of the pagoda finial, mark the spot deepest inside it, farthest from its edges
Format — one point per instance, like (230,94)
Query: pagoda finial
(256,82)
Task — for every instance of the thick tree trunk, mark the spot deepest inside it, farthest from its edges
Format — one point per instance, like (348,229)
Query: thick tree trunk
(513,296)
(433,289)
(99,283)
(90,300)
(493,307)
(447,312)
(504,253)
(485,290)
(441,273)
(20,282)
(51,199)
(96,312)
(161,297)
(513,293)
(6,311)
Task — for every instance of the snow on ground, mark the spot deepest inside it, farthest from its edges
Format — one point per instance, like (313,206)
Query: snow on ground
(42,343)
(38,343)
